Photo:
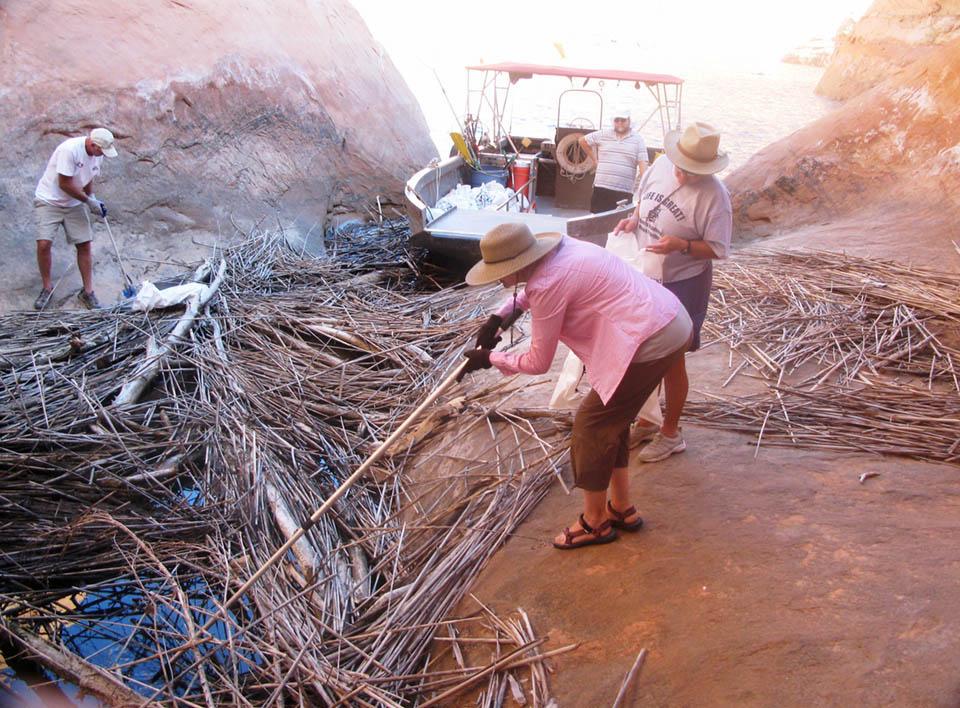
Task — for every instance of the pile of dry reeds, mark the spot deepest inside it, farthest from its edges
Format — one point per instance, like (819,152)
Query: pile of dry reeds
(129,516)
(858,354)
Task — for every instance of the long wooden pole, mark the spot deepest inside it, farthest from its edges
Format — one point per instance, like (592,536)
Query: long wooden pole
(618,701)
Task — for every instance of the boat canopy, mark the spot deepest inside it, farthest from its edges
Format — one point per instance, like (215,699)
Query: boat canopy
(528,71)
(488,91)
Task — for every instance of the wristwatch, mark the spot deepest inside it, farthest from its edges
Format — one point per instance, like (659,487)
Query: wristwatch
(685,251)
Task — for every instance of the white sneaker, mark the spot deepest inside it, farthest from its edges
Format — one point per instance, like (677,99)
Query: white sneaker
(662,447)
(641,433)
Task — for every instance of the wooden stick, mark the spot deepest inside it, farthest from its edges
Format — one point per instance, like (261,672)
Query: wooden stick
(87,676)
(464,685)
(134,388)
(618,701)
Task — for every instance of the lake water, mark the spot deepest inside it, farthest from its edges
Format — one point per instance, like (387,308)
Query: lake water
(727,53)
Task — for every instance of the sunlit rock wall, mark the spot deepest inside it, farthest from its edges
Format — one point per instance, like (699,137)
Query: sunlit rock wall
(891,35)
(895,147)
(221,109)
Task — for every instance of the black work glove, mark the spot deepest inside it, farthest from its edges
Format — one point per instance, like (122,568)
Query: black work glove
(476,359)
(487,337)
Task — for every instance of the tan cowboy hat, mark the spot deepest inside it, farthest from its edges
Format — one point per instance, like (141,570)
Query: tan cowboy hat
(696,150)
(506,249)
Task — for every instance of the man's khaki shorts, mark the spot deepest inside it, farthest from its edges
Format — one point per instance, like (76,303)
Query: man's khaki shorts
(75,221)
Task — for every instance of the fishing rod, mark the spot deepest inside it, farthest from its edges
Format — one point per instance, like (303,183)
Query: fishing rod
(461,145)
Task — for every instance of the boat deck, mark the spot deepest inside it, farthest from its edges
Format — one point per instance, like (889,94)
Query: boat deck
(456,234)
(460,222)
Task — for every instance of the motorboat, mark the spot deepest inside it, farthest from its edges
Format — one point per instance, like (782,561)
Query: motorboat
(549,176)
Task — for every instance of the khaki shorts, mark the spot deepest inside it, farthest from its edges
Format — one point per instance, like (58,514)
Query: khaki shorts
(75,221)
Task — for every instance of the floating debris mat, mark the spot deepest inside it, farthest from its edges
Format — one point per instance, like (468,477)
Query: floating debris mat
(132,511)
(857,354)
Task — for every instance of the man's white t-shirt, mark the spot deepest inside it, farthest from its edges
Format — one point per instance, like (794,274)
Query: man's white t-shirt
(695,212)
(70,159)
(617,159)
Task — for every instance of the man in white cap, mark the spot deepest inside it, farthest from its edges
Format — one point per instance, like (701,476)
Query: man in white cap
(621,157)
(62,198)
(684,211)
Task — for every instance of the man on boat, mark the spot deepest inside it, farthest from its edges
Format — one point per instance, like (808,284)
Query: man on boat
(62,197)
(621,157)
(684,211)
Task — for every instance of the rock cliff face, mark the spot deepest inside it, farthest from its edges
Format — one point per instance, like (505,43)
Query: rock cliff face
(891,155)
(892,35)
(221,109)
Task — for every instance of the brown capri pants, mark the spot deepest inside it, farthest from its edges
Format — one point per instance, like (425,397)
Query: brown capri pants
(601,433)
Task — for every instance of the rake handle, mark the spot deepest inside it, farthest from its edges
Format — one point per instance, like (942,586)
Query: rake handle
(117,251)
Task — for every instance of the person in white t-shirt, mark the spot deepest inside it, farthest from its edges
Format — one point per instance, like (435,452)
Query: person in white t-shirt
(621,156)
(62,198)
(685,212)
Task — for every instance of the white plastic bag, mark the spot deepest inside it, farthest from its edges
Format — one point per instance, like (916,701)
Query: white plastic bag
(149,297)
(631,248)
(626,246)
(565,394)
(651,265)
(490,196)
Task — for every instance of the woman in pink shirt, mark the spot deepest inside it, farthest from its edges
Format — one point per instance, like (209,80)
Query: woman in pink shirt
(627,329)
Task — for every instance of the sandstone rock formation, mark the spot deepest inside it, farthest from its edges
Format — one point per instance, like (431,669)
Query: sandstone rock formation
(814,52)
(220,109)
(885,163)
(890,36)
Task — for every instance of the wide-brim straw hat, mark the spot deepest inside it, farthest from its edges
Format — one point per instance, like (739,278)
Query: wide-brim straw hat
(506,249)
(696,149)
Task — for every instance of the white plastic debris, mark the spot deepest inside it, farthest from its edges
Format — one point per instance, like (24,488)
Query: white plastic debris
(488,196)
(150,297)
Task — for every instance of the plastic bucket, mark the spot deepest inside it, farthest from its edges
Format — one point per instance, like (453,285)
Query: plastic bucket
(489,174)
(520,176)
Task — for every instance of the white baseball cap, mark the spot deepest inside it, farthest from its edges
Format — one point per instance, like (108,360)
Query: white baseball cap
(622,112)
(103,139)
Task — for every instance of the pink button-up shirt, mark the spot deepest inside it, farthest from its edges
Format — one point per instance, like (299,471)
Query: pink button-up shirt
(596,304)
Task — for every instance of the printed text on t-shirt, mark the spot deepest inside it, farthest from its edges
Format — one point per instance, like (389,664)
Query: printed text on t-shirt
(662,202)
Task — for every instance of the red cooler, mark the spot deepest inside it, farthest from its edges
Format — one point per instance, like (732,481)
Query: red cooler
(520,177)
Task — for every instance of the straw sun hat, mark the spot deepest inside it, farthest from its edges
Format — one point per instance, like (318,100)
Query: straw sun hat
(696,149)
(506,249)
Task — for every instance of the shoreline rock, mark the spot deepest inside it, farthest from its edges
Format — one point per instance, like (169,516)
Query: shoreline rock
(221,112)
(892,35)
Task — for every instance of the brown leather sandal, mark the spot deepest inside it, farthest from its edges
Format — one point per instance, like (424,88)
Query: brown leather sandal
(587,535)
(620,519)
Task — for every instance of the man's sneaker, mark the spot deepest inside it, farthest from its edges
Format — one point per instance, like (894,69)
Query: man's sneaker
(642,432)
(662,447)
(88,299)
(43,299)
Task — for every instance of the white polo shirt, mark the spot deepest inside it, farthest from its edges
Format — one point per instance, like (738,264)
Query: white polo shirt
(70,159)
(617,159)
